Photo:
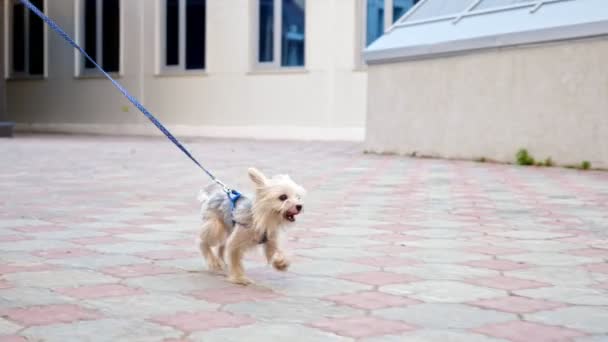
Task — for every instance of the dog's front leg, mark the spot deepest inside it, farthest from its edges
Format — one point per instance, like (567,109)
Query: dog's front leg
(275,256)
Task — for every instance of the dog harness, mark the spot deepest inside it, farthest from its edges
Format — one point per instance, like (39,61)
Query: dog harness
(234,196)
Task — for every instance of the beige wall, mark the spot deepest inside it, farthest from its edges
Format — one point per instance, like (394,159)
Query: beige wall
(324,101)
(551,99)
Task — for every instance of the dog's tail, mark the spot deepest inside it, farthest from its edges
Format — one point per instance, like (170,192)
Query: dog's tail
(202,196)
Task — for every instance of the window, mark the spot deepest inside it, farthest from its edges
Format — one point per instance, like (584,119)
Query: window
(26,40)
(100,32)
(381,14)
(281,32)
(183,31)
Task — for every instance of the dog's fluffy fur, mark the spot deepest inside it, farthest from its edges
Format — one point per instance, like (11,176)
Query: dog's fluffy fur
(254,221)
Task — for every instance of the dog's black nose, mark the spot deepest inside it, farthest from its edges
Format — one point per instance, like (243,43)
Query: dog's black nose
(299,207)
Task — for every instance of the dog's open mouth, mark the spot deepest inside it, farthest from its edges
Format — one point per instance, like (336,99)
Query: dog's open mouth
(290,217)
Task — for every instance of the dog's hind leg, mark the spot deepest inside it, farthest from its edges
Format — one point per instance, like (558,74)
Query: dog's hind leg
(212,234)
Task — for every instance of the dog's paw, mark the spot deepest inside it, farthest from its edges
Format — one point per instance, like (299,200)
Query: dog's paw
(240,280)
(215,266)
(280,264)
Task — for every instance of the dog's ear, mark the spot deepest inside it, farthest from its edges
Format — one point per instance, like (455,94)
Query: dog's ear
(257,177)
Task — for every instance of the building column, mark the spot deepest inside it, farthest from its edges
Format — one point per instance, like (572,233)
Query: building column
(6,128)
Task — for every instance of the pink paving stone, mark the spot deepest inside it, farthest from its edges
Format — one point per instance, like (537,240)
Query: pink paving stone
(507,283)
(306,234)
(169,254)
(499,265)
(63,253)
(293,245)
(517,305)
(598,268)
(13,238)
(360,327)
(202,321)
(518,331)
(5,269)
(4,284)
(235,294)
(12,338)
(385,261)
(39,229)
(138,270)
(50,314)
(100,291)
(146,221)
(371,300)
(603,285)
(494,250)
(98,240)
(379,278)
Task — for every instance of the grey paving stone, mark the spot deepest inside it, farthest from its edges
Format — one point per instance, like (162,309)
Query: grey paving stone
(328,267)
(104,330)
(444,256)
(441,233)
(59,278)
(338,253)
(148,305)
(308,286)
(130,247)
(439,243)
(7,327)
(444,271)
(99,261)
(183,282)
(29,296)
(292,310)
(551,259)
(434,336)
(531,235)
(442,291)
(269,332)
(562,276)
(569,295)
(593,320)
(453,316)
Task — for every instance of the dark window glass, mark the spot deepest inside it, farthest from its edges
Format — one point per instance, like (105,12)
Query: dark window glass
(402,6)
(36,40)
(195,34)
(111,35)
(375,20)
(266,33)
(293,34)
(90,31)
(18,38)
(172,32)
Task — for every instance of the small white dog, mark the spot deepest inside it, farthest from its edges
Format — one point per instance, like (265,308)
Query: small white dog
(251,222)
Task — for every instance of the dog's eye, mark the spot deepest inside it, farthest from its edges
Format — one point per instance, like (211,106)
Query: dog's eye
(283,198)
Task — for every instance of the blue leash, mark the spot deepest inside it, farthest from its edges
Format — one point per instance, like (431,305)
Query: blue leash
(233,195)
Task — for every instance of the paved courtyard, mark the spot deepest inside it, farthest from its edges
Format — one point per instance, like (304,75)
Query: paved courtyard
(97,244)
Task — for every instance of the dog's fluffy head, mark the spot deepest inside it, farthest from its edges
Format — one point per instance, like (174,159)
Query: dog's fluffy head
(278,199)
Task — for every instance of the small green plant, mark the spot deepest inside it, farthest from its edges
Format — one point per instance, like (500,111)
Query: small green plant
(549,162)
(524,158)
(585,165)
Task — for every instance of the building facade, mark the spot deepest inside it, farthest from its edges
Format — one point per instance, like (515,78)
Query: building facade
(484,78)
(287,69)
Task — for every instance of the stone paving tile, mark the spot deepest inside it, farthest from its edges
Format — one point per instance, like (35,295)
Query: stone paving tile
(526,331)
(359,327)
(434,336)
(104,330)
(12,338)
(269,332)
(386,242)
(442,291)
(49,314)
(371,300)
(203,321)
(518,305)
(586,319)
(292,310)
(454,316)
